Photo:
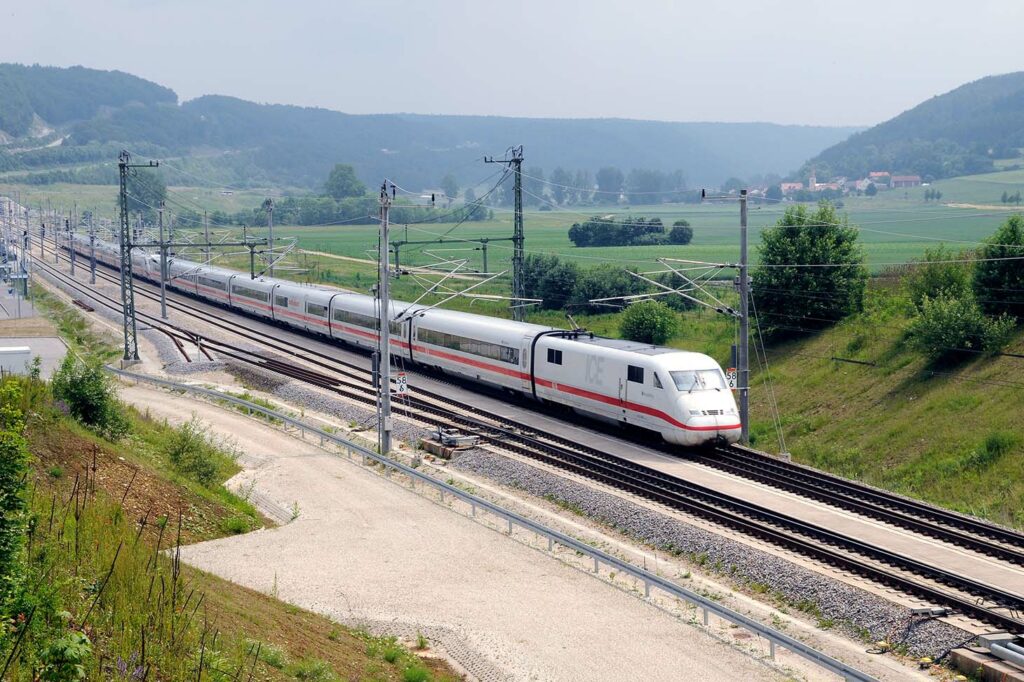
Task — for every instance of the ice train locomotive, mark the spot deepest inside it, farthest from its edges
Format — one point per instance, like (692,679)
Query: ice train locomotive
(681,395)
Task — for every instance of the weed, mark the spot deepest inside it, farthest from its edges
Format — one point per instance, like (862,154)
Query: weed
(55,472)
(312,670)
(273,656)
(421,641)
(295,510)
(236,525)
(415,673)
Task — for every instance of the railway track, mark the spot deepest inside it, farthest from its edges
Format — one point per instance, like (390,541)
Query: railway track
(973,598)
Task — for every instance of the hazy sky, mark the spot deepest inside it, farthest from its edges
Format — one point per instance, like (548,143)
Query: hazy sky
(743,60)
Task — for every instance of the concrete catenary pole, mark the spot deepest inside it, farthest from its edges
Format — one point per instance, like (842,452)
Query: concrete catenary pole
(163,262)
(743,350)
(384,348)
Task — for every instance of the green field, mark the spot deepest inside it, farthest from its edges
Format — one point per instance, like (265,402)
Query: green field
(891,234)
(896,226)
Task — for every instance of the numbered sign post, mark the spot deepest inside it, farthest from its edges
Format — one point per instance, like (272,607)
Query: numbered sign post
(401,383)
(730,377)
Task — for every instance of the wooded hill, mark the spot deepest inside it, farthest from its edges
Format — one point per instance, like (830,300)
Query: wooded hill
(94,113)
(959,133)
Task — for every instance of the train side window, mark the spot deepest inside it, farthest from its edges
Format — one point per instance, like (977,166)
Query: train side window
(657,381)
(281,301)
(554,356)
(635,374)
(316,309)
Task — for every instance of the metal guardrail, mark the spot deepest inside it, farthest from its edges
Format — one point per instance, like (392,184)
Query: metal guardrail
(773,636)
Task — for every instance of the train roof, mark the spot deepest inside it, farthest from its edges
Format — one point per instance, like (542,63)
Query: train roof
(629,346)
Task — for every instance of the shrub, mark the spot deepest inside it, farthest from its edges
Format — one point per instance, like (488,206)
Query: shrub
(312,670)
(64,658)
(681,233)
(90,397)
(935,275)
(950,329)
(14,457)
(603,281)
(998,283)
(648,322)
(192,453)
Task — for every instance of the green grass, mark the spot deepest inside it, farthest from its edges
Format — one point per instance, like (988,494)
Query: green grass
(949,435)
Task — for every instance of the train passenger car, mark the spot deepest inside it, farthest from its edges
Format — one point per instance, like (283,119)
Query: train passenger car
(305,307)
(212,283)
(477,347)
(181,274)
(681,395)
(251,295)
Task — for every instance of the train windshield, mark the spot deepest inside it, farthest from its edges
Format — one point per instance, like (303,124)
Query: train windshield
(699,380)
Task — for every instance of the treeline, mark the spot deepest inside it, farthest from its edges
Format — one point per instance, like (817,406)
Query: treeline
(609,185)
(629,231)
(958,133)
(566,285)
(63,95)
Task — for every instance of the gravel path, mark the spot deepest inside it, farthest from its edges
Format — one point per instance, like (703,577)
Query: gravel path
(367,552)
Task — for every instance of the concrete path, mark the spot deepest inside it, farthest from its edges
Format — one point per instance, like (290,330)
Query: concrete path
(363,550)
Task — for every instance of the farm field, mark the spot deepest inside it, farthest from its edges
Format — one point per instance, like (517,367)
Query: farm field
(890,233)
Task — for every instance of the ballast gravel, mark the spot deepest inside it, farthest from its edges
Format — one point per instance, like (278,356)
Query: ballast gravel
(856,611)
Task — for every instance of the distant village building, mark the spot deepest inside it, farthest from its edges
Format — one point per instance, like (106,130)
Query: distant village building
(880,178)
(905,181)
(790,187)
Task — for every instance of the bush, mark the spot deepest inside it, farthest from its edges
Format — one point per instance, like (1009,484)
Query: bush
(950,329)
(681,233)
(935,275)
(90,397)
(998,283)
(550,279)
(192,453)
(14,457)
(603,281)
(648,322)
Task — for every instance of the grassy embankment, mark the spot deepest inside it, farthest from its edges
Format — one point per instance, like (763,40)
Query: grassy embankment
(102,595)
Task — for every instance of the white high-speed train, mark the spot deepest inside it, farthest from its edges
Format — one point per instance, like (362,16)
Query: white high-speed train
(681,395)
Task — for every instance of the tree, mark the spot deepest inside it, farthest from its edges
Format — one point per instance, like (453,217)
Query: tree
(648,322)
(1006,196)
(791,298)
(998,282)
(583,186)
(681,233)
(609,185)
(774,193)
(146,192)
(469,196)
(643,186)
(561,185)
(449,186)
(533,186)
(871,190)
(938,274)
(343,183)
(733,185)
